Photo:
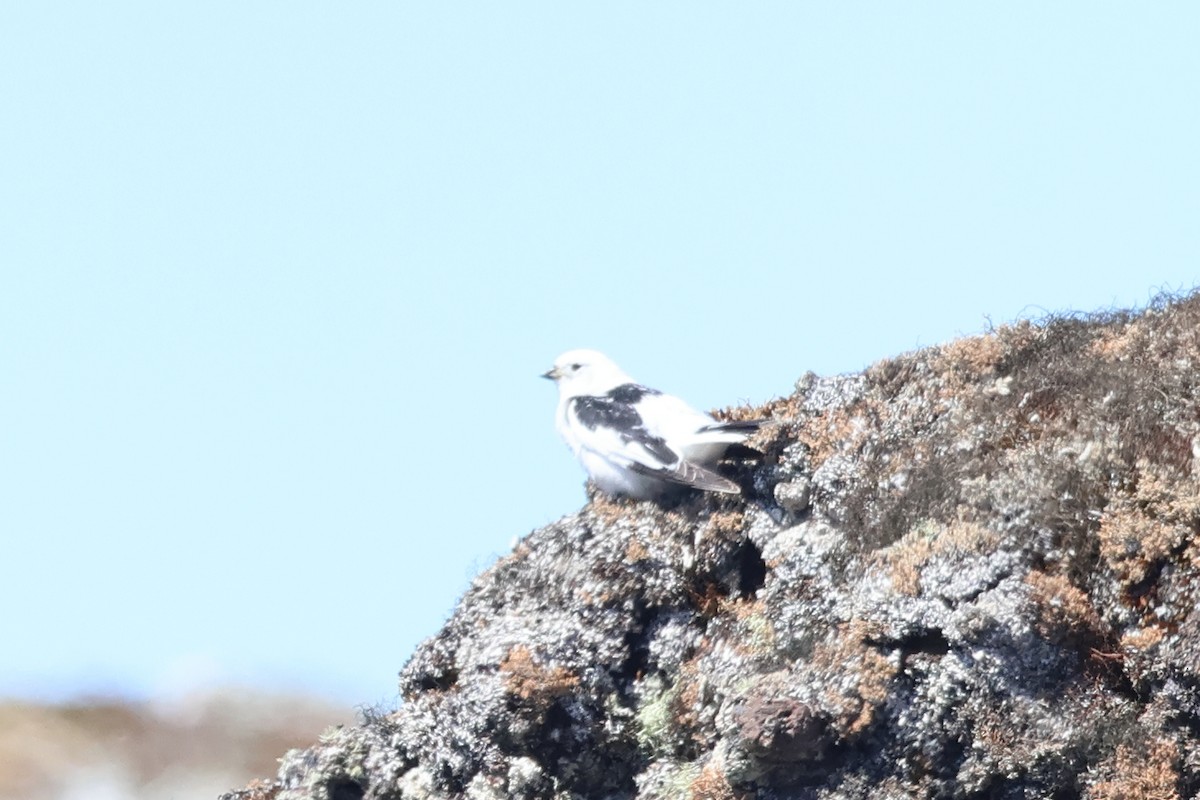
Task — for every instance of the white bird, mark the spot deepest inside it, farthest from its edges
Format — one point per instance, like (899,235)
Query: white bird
(636,441)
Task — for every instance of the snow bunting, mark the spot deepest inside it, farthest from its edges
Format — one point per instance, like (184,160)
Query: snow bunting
(636,441)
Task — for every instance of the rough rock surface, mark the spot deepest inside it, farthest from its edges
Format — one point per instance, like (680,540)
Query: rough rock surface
(969,572)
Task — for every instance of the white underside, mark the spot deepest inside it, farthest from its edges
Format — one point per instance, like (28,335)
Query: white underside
(616,479)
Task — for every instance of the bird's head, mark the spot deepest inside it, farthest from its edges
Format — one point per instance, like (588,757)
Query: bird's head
(585,372)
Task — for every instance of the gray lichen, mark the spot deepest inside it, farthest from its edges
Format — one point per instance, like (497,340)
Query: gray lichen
(968,572)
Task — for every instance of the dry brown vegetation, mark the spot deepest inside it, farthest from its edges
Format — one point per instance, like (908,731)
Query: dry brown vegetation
(905,559)
(532,683)
(1148,772)
(855,700)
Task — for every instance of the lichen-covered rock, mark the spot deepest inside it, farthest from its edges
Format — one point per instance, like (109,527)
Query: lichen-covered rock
(970,571)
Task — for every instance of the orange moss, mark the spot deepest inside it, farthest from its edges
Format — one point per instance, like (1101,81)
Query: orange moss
(725,525)
(609,510)
(713,785)
(534,683)
(1116,344)
(635,551)
(1064,613)
(743,609)
(1153,339)
(1129,541)
(847,655)
(1142,639)
(1172,496)
(706,598)
(972,355)
(685,706)
(1147,772)
(905,559)
(1158,519)
(837,430)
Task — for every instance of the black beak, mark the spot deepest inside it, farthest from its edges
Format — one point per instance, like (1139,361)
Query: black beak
(549,375)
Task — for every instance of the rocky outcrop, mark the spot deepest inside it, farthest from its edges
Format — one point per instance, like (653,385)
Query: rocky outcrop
(968,572)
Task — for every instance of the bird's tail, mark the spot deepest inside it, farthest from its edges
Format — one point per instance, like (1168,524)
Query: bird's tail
(718,440)
(744,427)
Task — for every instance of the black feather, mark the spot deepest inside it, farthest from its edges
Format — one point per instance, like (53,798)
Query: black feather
(616,410)
(746,426)
(630,393)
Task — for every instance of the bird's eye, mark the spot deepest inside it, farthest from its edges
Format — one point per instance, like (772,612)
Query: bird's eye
(576,366)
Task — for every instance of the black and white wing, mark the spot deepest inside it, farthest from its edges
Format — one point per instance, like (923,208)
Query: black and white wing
(613,425)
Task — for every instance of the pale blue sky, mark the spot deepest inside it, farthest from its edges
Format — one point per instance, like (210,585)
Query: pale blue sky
(277,279)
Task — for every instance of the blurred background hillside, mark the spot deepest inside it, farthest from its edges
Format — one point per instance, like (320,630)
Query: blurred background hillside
(196,746)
